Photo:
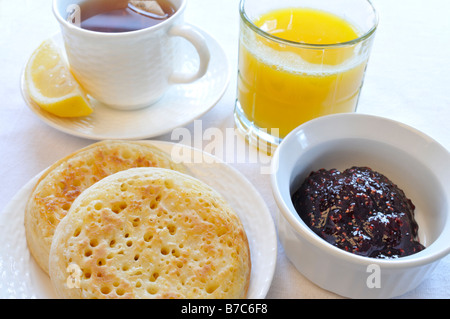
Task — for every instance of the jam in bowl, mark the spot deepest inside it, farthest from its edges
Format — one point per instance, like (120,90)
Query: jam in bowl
(393,218)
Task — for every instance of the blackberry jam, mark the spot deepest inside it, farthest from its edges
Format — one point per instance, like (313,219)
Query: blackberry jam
(359,210)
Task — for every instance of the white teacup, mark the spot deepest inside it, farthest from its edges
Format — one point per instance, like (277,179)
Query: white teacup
(129,70)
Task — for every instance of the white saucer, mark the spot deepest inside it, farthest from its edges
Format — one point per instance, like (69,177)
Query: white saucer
(180,105)
(21,277)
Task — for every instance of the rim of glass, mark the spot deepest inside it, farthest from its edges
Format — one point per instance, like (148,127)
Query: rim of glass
(272,37)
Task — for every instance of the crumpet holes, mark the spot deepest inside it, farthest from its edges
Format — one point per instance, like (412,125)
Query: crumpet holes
(165,251)
(172,229)
(148,236)
(118,207)
(105,290)
(168,183)
(154,276)
(120,291)
(93,242)
(77,232)
(152,290)
(176,253)
(87,252)
(126,154)
(101,262)
(211,287)
(87,274)
(136,222)
(153,204)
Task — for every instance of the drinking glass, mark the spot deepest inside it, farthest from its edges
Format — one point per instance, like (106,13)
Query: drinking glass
(284,83)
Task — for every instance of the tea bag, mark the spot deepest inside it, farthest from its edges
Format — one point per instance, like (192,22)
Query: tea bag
(88,8)
(150,6)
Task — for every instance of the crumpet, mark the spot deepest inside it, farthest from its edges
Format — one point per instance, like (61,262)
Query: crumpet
(150,233)
(61,183)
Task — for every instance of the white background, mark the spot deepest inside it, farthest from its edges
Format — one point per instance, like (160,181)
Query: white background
(408,80)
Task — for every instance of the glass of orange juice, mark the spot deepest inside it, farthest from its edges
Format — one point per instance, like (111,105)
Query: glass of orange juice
(298,60)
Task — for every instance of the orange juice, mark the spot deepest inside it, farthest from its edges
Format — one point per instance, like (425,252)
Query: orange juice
(282,85)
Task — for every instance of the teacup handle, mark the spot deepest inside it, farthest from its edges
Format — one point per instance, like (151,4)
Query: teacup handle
(198,41)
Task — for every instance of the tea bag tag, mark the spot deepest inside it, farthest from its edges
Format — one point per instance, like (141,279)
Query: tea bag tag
(74,14)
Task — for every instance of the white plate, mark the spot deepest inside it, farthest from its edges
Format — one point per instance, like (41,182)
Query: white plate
(21,277)
(180,105)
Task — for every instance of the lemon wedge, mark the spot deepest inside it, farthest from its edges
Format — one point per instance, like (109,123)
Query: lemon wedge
(51,84)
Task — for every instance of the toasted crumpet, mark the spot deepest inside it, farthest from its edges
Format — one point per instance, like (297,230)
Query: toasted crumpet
(150,233)
(61,184)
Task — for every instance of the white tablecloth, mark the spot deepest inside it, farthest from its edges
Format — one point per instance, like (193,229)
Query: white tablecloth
(408,79)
